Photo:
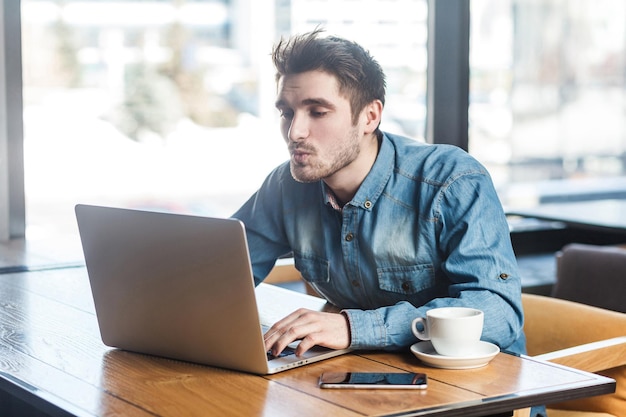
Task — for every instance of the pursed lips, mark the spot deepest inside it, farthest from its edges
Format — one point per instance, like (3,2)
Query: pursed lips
(299,154)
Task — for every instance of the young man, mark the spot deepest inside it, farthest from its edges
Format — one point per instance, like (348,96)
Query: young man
(382,226)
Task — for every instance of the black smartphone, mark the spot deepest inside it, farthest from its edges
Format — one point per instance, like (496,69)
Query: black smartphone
(388,380)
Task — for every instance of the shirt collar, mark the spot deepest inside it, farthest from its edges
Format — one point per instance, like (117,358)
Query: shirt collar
(331,199)
(374,183)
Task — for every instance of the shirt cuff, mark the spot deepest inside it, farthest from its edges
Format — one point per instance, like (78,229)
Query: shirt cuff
(367,329)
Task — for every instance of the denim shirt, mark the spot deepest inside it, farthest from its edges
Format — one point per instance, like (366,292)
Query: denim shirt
(425,229)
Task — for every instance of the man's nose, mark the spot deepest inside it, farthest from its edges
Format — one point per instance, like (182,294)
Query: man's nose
(299,129)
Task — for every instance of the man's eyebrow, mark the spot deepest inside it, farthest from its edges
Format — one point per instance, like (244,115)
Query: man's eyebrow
(318,102)
(307,102)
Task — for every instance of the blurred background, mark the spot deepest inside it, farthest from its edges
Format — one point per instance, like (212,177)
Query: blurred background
(168,105)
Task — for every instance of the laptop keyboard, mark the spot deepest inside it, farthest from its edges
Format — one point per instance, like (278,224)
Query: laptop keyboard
(289,350)
(286,352)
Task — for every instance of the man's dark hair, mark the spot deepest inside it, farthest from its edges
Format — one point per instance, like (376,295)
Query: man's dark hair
(361,79)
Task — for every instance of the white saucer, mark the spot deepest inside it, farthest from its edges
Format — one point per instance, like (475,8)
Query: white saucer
(426,353)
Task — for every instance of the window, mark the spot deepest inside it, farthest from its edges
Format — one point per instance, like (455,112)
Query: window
(548,91)
(168,105)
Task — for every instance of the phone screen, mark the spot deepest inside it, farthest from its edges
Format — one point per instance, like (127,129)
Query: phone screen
(391,380)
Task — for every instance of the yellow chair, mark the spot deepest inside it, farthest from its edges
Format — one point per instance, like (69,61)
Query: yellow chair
(284,272)
(581,337)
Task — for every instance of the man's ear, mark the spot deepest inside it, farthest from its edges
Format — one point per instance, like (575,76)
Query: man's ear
(373,114)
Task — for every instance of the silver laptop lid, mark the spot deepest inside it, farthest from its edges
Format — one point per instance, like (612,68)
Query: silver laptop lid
(173,285)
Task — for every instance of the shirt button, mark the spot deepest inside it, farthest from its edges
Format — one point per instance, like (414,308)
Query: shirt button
(368,204)
(406,286)
(504,276)
(349,237)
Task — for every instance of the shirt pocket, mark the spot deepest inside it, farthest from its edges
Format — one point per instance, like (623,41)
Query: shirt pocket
(313,270)
(406,279)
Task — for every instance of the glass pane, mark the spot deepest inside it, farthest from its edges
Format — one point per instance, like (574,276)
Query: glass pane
(548,91)
(168,105)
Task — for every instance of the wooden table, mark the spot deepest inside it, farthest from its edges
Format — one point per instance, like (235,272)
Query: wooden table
(52,358)
(598,215)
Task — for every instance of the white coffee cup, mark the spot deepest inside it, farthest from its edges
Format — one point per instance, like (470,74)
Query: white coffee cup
(453,331)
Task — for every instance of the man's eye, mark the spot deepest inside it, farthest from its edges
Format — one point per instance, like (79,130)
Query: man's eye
(285,114)
(321,113)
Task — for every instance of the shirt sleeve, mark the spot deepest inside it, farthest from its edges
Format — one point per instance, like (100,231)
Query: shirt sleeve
(262,216)
(474,240)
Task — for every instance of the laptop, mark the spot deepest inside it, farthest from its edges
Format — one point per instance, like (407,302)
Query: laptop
(181,287)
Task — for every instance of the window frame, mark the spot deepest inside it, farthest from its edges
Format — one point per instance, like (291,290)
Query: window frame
(447,97)
(12,194)
(448,73)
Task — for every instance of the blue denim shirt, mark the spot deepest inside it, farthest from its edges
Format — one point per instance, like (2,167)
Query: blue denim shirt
(424,230)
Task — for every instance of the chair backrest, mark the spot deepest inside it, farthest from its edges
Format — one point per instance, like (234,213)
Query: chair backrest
(552,324)
(583,337)
(593,275)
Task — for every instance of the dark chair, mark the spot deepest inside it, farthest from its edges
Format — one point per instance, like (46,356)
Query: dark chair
(593,275)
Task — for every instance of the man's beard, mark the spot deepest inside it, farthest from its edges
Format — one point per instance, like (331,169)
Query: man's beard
(318,170)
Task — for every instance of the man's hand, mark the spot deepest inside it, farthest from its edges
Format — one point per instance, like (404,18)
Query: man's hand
(312,328)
